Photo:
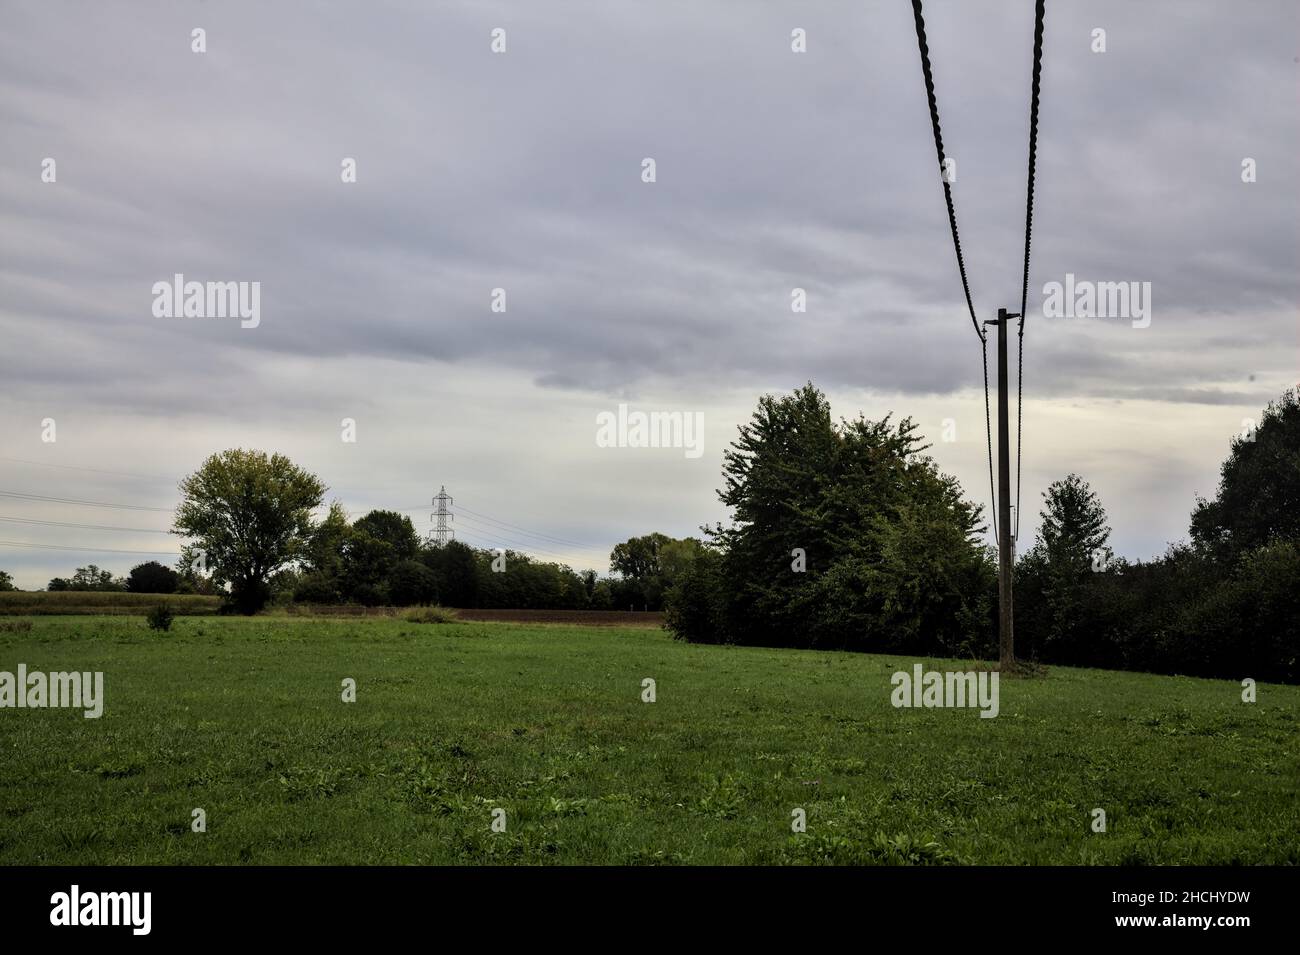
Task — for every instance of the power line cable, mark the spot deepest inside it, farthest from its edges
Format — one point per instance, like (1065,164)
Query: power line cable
(475,521)
(487,531)
(91,550)
(64,500)
(1035,86)
(487,523)
(988,430)
(460,509)
(494,534)
(522,530)
(92,527)
(956,239)
(494,543)
(938,145)
(413,510)
(70,467)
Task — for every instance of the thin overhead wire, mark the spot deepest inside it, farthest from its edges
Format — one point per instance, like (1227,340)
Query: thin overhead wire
(490,531)
(514,527)
(938,145)
(91,550)
(508,534)
(956,239)
(64,500)
(988,430)
(1036,83)
(502,532)
(1039,13)
(487,531)
(505,526)
(89,527)
(70,467)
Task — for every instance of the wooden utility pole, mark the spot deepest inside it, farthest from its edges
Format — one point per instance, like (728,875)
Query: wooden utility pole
(1006,556)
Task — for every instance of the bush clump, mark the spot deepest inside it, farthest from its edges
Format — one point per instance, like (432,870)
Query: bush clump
(160,618)
(434,614)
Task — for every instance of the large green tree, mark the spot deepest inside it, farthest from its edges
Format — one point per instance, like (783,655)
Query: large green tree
(152,577)
(250,513)
(638,557)
(455,566)
(1074,528)
(324,549)
(843,534)
(394,529)
(649,566)
(1258,500)
(90,577)
(1061,583)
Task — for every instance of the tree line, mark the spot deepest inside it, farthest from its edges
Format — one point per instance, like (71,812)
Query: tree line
(843,535)
(252,539)
(846,535)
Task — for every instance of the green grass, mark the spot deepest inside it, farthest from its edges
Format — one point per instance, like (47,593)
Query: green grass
(243,718)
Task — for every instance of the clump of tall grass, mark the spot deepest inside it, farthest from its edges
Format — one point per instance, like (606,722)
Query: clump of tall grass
(434,614)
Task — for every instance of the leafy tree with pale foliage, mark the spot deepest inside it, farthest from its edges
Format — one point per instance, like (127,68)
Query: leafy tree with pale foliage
(88,578)
(250,513)
(650,565)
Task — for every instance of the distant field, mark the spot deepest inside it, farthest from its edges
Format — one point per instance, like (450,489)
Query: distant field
(74,602)
(243,718)
(585,618)
(27,603)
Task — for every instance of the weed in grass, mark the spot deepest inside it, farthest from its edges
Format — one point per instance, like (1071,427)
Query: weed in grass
(834,849)
(160,618)
(305,782)
(434,614)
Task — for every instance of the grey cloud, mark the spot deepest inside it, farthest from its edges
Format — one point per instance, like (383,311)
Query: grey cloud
(522,171)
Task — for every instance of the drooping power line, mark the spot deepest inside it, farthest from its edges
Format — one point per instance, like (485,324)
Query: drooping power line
(919,17)
(1035,85)
(89,527)
(92,550)
(79,503)
(938,145)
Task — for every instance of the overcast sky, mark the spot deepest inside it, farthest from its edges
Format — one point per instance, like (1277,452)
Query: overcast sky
(522,170)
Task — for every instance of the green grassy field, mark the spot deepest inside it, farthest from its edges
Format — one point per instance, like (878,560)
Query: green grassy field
(243,718)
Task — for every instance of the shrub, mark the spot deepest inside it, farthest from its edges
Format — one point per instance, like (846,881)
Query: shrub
(246,597)
(434,614)
(691,604)
(1249,623)
(152,578)
(369,595)
(317,588)
(411,583)
(160,618)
